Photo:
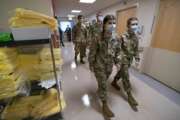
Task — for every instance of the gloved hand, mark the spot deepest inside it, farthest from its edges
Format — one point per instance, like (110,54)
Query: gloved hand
(136,64)
(118,67)
(73,41)
(91,68)
(137,59)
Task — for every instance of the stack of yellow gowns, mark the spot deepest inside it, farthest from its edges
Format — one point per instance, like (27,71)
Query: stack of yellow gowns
(39,66)
(10,77)
(39,106)
(46,66)
(7,60)
(29,18)
(29,64)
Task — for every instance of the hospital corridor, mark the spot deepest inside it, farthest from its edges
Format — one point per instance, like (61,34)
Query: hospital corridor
(157,102)
(89,60)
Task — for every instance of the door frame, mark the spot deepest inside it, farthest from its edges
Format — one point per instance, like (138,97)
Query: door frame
(126,8)
(155,23)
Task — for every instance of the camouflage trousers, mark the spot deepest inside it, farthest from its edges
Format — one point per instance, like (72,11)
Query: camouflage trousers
(123,74)
(102,76)
(80,48)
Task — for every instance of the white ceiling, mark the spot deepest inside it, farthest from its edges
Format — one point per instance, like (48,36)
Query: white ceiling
(64,7)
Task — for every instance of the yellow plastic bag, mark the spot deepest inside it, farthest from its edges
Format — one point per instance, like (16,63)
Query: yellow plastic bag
(45,54)
(7,53)
(28,63)
(7,68)
(9,84)
(30,15)
(21,22)
(39,106)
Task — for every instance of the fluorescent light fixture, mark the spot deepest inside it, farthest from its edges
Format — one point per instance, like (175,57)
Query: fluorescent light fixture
(71,16)
(87,1)
(76,11)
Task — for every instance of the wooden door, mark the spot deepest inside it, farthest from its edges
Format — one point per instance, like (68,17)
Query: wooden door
(123,16)
(167,31)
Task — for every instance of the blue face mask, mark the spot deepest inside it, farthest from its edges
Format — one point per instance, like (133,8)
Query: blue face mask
(134,28)
(111,28)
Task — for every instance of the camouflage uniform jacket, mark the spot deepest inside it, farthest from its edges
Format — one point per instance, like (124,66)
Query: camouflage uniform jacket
(79,34)
(96,29)
(89,34)
(102,53)
(129,49)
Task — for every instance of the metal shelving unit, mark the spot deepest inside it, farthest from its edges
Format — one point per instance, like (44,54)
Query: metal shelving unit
(24,42)
(58,81)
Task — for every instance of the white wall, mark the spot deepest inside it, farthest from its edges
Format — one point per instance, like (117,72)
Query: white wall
(7,7)
(163,65)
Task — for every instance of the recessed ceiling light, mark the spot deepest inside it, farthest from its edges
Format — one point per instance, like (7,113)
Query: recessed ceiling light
(87,1)
(76,11)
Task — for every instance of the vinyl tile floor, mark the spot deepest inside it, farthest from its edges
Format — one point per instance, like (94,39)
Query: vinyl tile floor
(156,101)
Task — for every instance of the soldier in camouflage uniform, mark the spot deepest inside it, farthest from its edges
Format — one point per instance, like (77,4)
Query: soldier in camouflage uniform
(95,28)
(89,33)
(101,59)
(124,58)
(97,25)
(80,39)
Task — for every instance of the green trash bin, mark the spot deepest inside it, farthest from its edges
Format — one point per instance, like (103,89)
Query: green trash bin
(5,37)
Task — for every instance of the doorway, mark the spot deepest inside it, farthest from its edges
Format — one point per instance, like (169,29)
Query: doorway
(166,35)
(122,17)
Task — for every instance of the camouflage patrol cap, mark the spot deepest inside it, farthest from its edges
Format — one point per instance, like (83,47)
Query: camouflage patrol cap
(80,16)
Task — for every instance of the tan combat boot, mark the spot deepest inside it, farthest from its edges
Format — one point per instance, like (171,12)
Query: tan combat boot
(132,102)
(82,61)
(75,59)
(115,85)
(106,110)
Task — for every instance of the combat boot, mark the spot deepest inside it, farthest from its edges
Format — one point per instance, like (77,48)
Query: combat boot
(132,102)
(115,85)
(106,110)
(82,61)
(75,59)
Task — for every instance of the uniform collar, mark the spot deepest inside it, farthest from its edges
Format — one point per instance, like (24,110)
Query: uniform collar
(130,32)
(107,35)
